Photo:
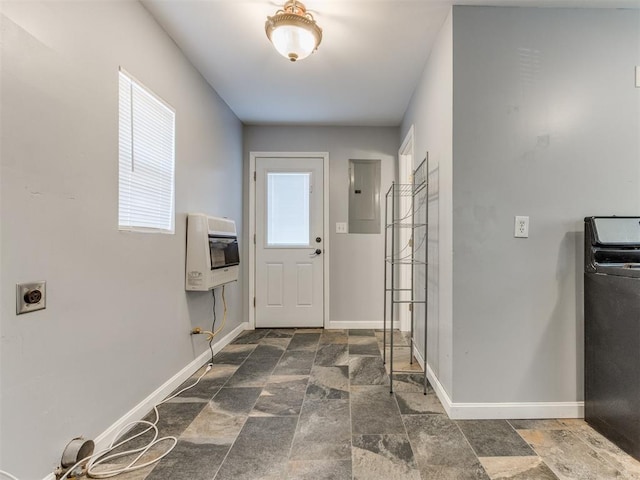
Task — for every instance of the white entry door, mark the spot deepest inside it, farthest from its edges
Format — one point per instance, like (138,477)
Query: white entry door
(289,286)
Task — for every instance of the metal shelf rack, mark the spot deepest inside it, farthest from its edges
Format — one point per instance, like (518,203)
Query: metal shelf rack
(417,220)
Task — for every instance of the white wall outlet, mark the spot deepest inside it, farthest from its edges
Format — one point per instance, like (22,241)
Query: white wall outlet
(31,297)
(521,227)
(341,227)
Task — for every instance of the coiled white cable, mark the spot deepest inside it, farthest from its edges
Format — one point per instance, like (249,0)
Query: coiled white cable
(104,456)
(8,475)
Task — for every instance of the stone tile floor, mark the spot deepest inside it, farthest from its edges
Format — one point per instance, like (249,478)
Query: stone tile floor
(315,404)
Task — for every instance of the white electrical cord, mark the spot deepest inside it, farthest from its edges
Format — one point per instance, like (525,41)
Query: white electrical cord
(98,458)
(8,475)
(211,334)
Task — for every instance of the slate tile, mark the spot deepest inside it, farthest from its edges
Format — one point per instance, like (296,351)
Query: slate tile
(364,346)
(538,424)
(208,385)
(614,455)
(414,403)
(330,355)
(517,468)
(260,451)
(251,336)
(175,417)
(440,448)
(280,343)
(569,457)
(281,333)
(399,338)
(282,396)
(367,371)
(233,354)
(222,419)
(383,457)
(304,341)
(324,431)
(237,401)
(334,336)
(319,470)
(192,460)
(361,332)
(374,411)
(274,349)
(295,362)
(410,382)
(255,371)
(328,383)
(494,438)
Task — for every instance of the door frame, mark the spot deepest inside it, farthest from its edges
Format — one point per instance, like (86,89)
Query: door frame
(405,170)
(252,226)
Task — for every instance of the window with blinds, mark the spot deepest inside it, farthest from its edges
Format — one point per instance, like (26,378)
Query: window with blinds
(147,161)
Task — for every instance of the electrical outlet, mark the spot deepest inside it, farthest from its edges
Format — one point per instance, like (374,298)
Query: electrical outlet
(341,227)
(31,297)
(521,227)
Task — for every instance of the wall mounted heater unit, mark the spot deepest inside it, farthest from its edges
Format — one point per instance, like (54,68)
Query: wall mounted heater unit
(212,252)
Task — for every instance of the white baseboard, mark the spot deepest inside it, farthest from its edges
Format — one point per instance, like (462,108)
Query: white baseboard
(355,325)
(138,412)
(497,411)
(520,410)
(442,394)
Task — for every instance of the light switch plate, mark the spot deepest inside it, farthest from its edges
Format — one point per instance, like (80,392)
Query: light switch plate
(30,297)
(341,227)
(638,76)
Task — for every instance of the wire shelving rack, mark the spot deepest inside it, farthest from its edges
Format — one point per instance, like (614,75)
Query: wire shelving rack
(416,219)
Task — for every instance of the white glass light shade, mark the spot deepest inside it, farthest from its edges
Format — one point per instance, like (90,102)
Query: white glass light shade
(293,31)
(293,42)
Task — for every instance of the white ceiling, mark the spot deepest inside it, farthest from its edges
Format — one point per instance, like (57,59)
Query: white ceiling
(364,72)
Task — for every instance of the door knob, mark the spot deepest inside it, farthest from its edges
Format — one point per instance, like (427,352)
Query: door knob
(316,252)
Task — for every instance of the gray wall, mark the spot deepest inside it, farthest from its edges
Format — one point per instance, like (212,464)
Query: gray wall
(430,111)
(356,262)
(546,124)
(117,320)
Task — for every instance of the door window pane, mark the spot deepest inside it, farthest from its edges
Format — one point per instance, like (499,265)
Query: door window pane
(288,208)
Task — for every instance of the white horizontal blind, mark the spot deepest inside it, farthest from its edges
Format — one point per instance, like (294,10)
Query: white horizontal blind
(147,160)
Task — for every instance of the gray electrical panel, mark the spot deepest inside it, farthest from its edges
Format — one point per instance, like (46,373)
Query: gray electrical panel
(364,196)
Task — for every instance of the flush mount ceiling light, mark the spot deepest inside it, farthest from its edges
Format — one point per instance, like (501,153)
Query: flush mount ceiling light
(293,31)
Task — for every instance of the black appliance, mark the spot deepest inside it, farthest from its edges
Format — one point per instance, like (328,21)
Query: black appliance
(612,329)
(223,251)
